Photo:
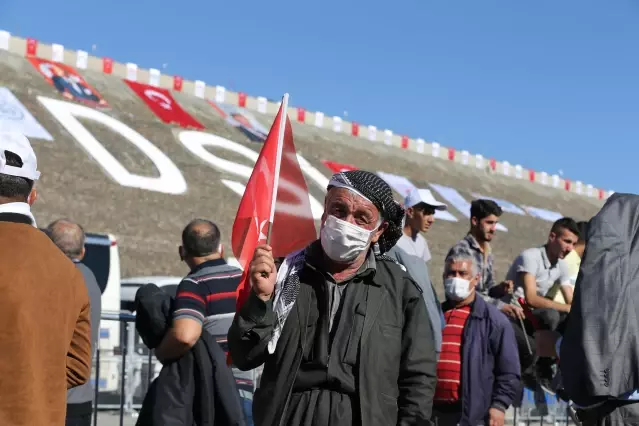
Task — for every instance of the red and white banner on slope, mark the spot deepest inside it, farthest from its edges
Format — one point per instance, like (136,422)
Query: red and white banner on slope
(164,105)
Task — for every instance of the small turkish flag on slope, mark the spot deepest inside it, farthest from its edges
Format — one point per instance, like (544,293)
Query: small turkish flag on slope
(275,206)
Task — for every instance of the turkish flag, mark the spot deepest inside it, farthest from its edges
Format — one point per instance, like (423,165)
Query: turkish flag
(107,65)
(177,83)
(338,167)
(292,226)
(241,99)
(301,114)
(405,142)
(32,47)
(163,105)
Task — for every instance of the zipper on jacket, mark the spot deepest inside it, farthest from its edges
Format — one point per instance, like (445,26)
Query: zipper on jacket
(297,368)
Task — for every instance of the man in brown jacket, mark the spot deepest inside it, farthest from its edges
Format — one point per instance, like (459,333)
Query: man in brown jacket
(45,345)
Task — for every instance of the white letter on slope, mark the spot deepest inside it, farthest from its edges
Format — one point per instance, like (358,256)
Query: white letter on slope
(315,175)
(170,181)
(196,141)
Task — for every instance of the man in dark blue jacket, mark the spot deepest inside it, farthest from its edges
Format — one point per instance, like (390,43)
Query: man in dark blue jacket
(478,372)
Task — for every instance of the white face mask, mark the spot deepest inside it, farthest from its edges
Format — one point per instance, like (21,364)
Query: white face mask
(342,241)
(456,288)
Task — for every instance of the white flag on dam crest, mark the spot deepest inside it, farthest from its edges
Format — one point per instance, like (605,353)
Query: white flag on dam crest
(14,118)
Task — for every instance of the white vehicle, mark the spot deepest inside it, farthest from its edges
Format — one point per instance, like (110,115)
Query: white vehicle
(130,286)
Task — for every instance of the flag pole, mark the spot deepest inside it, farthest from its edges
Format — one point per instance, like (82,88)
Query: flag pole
(278,161)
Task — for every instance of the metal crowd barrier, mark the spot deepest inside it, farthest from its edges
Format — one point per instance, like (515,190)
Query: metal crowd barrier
(125,367)
(129,359)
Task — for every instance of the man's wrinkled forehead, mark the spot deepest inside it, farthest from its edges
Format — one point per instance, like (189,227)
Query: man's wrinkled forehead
(336,194)
(460,266)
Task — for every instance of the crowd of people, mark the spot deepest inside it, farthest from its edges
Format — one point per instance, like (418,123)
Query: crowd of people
(347,331)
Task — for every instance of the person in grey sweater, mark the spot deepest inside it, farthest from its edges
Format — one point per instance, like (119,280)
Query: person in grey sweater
(69,237)
(412,252)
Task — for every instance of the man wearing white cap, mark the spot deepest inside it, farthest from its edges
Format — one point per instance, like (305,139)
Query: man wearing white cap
(18,178)
(412,251)
(44,310)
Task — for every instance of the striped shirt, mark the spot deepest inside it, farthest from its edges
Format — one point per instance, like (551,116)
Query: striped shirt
(209,290)
(450,358)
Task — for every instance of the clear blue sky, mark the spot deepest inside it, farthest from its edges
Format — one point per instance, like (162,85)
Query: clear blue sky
(549,84)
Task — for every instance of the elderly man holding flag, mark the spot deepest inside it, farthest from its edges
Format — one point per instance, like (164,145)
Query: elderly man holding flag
(341,329)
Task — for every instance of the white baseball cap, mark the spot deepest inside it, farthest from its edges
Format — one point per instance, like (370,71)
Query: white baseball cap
(417,196)
(19,145)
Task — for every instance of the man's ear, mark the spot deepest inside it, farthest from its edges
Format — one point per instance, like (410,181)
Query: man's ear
(410,212)
(473,221)
(181,253)
(33,196)
(378,233)
(323,218)
(221,250)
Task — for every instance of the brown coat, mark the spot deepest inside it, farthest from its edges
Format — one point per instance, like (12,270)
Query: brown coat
(45,345)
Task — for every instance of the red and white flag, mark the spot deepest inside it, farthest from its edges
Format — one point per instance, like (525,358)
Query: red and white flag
(163,105)
(275,205)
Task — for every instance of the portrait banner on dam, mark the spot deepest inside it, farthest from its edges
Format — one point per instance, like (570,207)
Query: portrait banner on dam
(243,120)
(68,82)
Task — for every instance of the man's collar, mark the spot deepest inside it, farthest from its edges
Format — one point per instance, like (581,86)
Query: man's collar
(408,232)
(472,241)
(449,304)
(212,262)
(369,267)
(544,256)
(17,209)
(477,306)
(314,257)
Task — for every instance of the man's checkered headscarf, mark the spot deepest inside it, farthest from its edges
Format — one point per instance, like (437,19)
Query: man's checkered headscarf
(376,190)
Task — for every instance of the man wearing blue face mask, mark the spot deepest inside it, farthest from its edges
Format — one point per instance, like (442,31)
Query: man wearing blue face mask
(341,329)
(478,369)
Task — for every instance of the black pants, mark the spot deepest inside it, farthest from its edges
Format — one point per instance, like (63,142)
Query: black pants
(84,420)
(446,414)
(549,319)
(79,414)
